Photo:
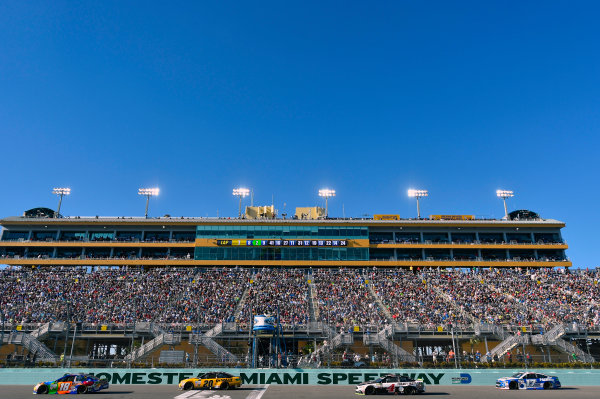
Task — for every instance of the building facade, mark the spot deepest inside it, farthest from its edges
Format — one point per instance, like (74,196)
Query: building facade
(435,242)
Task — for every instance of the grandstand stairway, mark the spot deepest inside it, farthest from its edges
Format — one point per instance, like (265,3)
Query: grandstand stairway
(382,339)
(41,332)
(379,303)
(161,337)
(313,307)
(341,339)
(553,338)
(452,303)
(509,343)
(239,307)
(207,341)
(32,344)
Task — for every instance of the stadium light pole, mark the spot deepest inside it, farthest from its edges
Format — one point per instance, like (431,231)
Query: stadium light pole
(418,194)
(61,192)
(148,192)
(326,193)
(504,194)
(241,193)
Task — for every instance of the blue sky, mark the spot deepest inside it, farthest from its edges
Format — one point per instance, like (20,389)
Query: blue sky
(368,98)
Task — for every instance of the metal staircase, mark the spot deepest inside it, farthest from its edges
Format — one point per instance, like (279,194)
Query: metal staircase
(32,344)
(207,341)
(336,341)
(41,332)
(509,343)
(341,339)
(161,338)
(554,339)
(382,339)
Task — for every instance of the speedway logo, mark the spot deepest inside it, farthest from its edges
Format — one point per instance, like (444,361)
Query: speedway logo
(264,377)
(463,379)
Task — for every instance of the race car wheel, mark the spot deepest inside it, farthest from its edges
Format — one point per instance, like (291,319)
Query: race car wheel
(188,385)
(513,385)
(370,390)
(409,391)
(42,390)
(225,385)
(547,385)
(82,389)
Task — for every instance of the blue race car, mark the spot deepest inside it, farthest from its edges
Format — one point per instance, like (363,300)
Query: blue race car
(528,380)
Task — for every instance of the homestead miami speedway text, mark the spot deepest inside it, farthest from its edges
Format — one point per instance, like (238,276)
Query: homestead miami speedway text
(280,378)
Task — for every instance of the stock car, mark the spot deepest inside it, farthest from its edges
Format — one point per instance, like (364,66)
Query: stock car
(391,383)
(211,380)
(528,380)
(72,383)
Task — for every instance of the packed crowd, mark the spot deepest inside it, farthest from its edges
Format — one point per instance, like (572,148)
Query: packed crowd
(551,296)
(344,299)
(480,300)
(120,295)
(341,297)
(410,298)
(273,292)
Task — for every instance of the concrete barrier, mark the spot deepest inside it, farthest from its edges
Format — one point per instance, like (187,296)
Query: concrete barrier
(568,377)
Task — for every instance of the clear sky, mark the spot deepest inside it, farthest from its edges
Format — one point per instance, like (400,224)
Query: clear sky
(369,98)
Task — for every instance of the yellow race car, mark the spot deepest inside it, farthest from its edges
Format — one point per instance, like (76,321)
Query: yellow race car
(212,380)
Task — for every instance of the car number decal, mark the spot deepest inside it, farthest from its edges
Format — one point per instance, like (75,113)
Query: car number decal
(64,386)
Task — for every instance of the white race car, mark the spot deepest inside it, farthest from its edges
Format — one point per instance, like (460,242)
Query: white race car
(528,380)
(393,384)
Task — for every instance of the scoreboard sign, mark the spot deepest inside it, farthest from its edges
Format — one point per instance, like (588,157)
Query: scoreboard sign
(386,217)
(283,243)
(452,217)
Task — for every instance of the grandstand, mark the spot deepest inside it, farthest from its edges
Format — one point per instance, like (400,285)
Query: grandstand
(106,291)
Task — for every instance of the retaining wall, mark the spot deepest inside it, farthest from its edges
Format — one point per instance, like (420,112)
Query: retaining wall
(568,377)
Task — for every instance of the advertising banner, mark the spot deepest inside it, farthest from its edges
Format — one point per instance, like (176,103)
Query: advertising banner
(568,377)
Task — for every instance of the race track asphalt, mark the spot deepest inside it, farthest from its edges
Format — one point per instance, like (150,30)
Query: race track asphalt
(305,392)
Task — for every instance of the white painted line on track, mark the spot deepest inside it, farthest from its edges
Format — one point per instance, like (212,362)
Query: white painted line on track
(254,394)
(197,395)
(257,393)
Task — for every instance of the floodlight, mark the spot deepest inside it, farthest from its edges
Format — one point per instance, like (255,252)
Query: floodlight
(504,194)
(241,193)
(326,193)
(61,192)
(418,194)
(148,192)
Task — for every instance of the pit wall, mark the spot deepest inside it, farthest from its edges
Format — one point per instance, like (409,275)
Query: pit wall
(572,378)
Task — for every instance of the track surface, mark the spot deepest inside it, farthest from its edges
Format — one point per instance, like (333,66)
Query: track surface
(304,392)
